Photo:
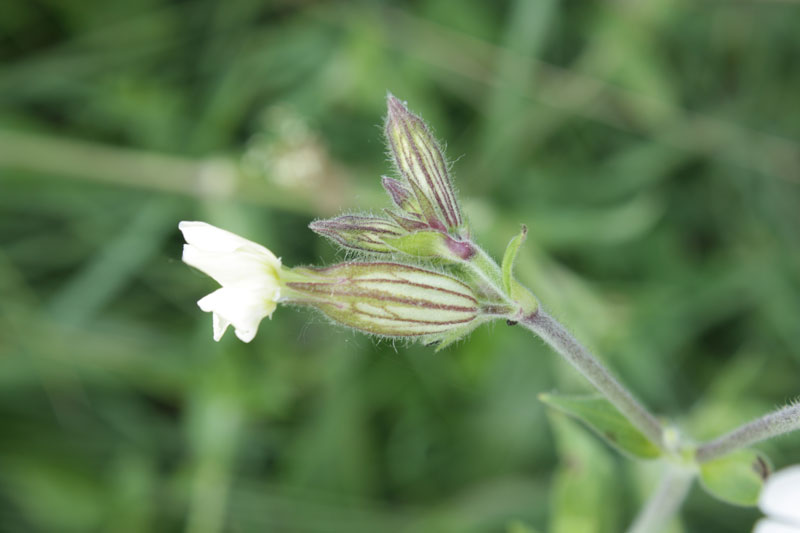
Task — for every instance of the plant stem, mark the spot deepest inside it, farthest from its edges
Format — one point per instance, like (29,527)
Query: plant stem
(771,425)
(664,502)
(573,351)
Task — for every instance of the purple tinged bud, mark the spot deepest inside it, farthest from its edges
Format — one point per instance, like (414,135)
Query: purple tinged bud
(407,224)
(401,195)
(421,162)
(363,233)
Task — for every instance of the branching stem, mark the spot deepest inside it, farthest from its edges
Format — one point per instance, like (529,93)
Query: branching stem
(664,502)
(573,351)
(770,425)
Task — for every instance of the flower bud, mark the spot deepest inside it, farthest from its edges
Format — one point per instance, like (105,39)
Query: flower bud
(420,161)
(364,233)
(388,299)
(402,196)
(408,224)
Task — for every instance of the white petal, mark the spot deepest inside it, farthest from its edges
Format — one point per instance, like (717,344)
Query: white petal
(213,239)
(220,326)
(235,269)
(243,308)
(770,526)
(780,497)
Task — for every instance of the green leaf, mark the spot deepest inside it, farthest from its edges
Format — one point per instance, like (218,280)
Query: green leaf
(736,478)
(600,415)
(510,255)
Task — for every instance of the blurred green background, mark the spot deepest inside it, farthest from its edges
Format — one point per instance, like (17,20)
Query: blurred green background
(652,148)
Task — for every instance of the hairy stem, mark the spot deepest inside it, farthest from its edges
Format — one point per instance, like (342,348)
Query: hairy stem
(771,425)
(664,503)
(573,351)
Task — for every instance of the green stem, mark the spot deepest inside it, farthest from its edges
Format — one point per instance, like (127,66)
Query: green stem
(483,267)
(664,503)
(771,425)
(554,334)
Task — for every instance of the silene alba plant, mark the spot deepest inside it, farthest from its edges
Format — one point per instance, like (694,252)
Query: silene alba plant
(420,275)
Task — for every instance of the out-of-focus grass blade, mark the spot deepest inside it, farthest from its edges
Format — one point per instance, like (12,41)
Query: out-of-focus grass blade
(115,263)
(584,496)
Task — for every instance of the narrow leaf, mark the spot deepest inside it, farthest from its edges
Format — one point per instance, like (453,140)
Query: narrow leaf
(736,478)
(510,256)
(600,415)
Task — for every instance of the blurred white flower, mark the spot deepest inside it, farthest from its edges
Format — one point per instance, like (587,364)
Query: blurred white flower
(248,272)
(780,501)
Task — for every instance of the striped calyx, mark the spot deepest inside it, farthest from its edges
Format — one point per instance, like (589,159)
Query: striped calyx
(363,233)
(422,165)
(389,299)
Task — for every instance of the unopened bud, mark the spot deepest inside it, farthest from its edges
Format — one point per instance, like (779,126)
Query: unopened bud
(408,224)
(364,233)
(402,196)
(419,159)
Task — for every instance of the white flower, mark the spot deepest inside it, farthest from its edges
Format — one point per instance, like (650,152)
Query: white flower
(248,272)
(780,501)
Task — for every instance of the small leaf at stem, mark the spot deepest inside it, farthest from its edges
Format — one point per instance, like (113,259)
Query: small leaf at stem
(736,478)
(510,256)
(600,415)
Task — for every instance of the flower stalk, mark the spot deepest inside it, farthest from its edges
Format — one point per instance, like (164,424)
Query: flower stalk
(770,425)
(664,502)
(554,334)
